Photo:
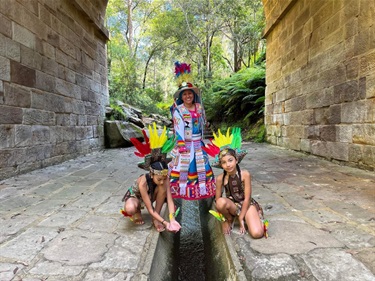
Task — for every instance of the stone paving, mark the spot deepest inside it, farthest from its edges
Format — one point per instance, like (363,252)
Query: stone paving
(63,223)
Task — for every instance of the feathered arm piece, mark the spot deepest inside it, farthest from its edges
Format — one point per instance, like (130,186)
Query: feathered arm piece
(143,148)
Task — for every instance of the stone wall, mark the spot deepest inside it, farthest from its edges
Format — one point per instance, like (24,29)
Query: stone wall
(53,81)
(320,76)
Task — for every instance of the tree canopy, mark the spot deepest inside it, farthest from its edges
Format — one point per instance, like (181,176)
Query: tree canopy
(218,38)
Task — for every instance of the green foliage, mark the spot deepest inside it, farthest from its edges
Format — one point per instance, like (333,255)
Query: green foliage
(118,113)
(257,132)
(239,97)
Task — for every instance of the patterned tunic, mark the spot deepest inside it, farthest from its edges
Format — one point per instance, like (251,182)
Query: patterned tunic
(190,173)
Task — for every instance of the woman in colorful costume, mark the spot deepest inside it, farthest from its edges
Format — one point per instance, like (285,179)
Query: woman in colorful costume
(190,173)
(152,190)
(236,183)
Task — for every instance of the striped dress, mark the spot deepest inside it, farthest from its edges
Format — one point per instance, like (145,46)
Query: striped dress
(190,173)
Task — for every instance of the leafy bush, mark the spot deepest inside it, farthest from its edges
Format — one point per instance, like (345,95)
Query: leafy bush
(239,97)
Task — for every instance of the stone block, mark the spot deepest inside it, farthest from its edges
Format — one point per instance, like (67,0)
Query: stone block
(327,133)
(363,43)
(49,66)
(22,75)
(62,119)
(338,151)
(40,134)
(38,117)
(10,115)
(82,120)
(320,148)
(5,26)
(319,99)
(28,57)
(296,118)
(13,50)
(352,68)
(69,133)
(83,132)
(64,88)
(350,28)
(312,132)
(366,64)
(305,145)
(23,136)
(332,76)
(53,38)
(347,91)
(45,82)
(355,153)
(369,156)
(15,95)
(48,50)
(333,114)
(292,143)
(4,68)
(48,101)
(66,74)
(344,133)
(61,58)
(294,131)
(23,36)
(45,15)
(353,112)
(6,136)
(364,134)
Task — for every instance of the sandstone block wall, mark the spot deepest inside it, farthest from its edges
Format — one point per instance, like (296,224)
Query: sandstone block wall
(320,95)
(53,81)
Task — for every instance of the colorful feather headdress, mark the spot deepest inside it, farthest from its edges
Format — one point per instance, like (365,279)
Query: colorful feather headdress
(221,142)
(184,79)
(155,147)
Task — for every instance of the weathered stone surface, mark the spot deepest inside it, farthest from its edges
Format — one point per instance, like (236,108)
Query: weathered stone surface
(78,247)
(325,266)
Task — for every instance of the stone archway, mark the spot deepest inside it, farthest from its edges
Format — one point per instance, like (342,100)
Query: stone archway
(53,81)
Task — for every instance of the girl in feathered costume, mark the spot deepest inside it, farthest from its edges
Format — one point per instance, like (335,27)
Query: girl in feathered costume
(190,173)
(236,183)
(151,190)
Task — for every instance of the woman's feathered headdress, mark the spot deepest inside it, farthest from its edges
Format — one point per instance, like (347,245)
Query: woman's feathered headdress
(220,142)
(184,79)
(155,147)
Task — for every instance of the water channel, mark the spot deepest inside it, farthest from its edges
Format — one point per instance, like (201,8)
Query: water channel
(198,252)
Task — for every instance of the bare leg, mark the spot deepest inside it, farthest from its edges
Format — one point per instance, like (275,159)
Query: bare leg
(254,222)
(228,209)
(133,208)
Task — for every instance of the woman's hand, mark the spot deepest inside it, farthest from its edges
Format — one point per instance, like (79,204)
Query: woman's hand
(173,226)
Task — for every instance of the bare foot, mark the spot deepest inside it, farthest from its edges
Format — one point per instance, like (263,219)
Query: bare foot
(227,227)
(158,226)
(137,218)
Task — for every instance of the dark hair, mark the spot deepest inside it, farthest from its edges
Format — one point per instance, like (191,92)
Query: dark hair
(160,165)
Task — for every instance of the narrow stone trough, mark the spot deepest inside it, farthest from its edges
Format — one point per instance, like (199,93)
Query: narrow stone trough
(198,252)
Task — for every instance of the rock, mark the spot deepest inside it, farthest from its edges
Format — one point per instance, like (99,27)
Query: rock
(118,133)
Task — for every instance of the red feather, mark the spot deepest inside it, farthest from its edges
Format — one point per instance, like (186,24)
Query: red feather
(143,148)
(211,149)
